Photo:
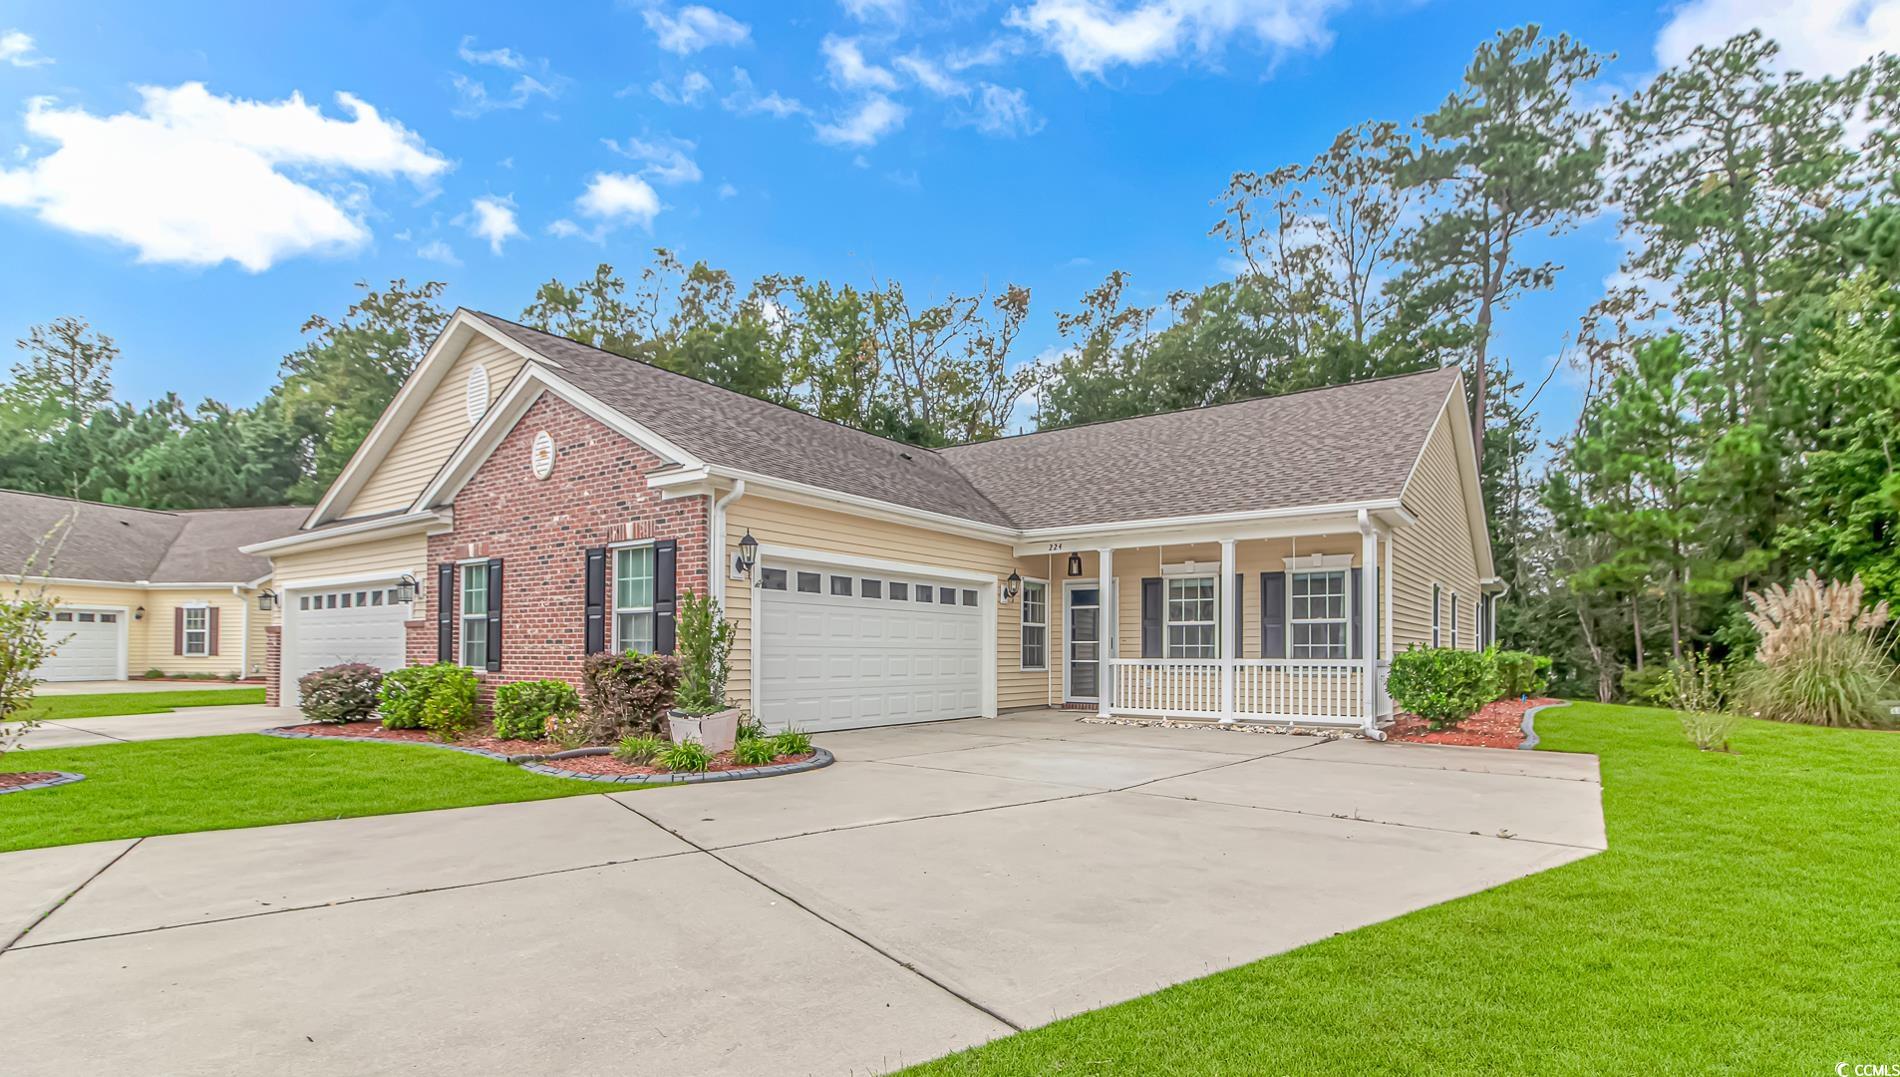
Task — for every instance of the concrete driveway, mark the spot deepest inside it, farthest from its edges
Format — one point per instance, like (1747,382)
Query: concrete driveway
(939,886)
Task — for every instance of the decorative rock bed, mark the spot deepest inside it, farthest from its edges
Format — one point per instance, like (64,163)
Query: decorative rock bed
(589,764)
(12,782)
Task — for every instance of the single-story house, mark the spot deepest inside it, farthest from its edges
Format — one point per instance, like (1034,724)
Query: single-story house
(532,499)
(139,589)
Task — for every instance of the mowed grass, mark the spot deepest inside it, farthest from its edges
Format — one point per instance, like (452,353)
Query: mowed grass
(105,704)
(1746,919)
(215,783)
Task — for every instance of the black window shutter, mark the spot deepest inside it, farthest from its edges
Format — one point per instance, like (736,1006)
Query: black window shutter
(1151,611)
(1240,605)
(1273,615)
(594,596)
(1357,646)
(665,593)
(494,615)
(445,612)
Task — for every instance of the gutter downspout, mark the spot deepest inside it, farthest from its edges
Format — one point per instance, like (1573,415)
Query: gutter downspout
(244,648)
(1369,635)
(716,545)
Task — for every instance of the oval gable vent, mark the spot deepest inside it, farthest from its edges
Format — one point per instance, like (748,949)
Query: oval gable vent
(477,393)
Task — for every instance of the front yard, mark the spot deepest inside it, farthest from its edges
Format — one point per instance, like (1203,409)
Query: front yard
(106,704)
(215,783)
(1743,920)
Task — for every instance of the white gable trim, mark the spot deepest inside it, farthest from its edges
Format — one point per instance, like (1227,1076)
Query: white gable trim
(462,328)
(1464,449)
(527,387)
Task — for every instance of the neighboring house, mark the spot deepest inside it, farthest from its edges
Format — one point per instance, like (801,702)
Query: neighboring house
(139,589)
(539,499)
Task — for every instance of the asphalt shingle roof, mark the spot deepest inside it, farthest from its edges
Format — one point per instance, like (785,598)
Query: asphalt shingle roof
(126,545)
(1328,446)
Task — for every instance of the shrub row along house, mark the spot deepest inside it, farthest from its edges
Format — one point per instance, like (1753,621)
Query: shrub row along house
(139,590)
(526,500)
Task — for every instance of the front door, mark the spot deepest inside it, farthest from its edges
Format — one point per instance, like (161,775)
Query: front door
(1082,676)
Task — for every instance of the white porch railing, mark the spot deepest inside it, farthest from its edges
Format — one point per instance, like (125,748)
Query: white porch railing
(1265,689)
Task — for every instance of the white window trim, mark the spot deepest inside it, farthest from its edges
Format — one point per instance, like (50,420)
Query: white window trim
(1317,562)
(614,608)
(463,617)
(1438,596)
(204,632)
(1454,620)
(1026,623)
(1168,622)
(1344,571)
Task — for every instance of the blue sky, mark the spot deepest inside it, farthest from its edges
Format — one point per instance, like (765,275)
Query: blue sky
(197,180)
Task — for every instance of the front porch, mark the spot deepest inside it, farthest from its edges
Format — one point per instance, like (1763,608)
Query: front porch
(1282,623)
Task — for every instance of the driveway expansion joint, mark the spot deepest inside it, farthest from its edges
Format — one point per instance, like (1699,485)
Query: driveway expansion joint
(12,943)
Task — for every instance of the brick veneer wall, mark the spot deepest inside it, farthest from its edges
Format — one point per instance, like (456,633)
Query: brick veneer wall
(541,529)
(273,665)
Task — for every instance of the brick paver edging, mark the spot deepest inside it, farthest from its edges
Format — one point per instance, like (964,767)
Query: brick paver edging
(819,758)
(60,777)
(1530,731)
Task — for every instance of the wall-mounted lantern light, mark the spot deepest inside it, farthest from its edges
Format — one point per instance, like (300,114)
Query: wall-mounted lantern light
(747,556)
(1012,586)
(139,614)
(1075,564)
(267,600)
(406,588)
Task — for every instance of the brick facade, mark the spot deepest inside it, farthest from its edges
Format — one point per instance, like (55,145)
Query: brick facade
(541,529)
(273,665)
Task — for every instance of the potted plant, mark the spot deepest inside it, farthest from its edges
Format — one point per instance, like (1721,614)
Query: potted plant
(705,647)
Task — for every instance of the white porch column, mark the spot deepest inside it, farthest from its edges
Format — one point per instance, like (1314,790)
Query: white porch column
(1370,617)
(1226,622)
(1107,647)
(1385,612)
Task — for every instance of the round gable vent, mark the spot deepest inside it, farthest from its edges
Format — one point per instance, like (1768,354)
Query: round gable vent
(477,393)
(541,457)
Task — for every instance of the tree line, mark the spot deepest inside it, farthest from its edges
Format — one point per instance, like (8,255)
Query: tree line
(1742,380)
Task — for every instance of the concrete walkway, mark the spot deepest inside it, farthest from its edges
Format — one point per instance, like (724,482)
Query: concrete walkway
(184,722)
(939,886)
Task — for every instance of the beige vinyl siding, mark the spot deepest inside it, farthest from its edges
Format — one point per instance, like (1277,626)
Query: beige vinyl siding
(438,427)
(160,624)
(780,523)
(1439,548)
(372,557)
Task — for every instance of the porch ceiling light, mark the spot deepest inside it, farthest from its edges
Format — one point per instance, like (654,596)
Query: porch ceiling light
(406,588)
(267,600)
(1075,564)
(747,556)
(1012,586)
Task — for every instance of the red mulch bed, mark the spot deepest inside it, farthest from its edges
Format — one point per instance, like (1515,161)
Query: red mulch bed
(1499,725)
(607,764)
(482,737)
(10,779)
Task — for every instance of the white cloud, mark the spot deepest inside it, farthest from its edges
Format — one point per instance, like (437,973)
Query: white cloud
(745,99)
(694,27)
(1001,113)
(893,11)
(198,179)
(502,57)
(1818,37)
(16,48)
(437,251)
(930,76)
(611,200)
(668,160)
(875,117)
(533,80)
(1092,36)
(850,70)
(692,87)
(492,217)
(727,190)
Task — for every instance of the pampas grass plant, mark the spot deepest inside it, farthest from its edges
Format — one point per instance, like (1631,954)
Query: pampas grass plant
(1826,657)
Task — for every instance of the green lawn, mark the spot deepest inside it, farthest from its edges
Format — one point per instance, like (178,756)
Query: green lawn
(214,783)
(1745,919)
(104,704)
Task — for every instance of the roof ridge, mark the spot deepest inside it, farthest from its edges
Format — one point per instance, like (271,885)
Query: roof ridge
(96,504)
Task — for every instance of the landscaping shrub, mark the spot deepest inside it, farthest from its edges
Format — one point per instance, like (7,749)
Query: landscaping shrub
(1442,685)
(1648,686)
(415,696)
(638,750)
(1825,657)
(344,693)
(792,742)
(754,752)
(687,757)
(750,728)
(524,709)
(153,674)
(627,693)
(705,650)
(1521,674)
(1698,688)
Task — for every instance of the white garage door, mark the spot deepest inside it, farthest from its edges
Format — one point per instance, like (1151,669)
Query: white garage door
(361,623)
(840,649)
(93,641)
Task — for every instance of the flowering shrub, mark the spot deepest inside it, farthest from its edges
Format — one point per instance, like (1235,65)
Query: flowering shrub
(345,693)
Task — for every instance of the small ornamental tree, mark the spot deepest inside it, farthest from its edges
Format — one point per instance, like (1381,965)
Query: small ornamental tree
(25,643)
(705,653)
(1442,685)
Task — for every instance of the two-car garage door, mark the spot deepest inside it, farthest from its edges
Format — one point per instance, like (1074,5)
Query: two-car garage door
(842,648)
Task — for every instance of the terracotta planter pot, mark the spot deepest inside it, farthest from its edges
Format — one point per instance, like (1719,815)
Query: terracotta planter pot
(716,731)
